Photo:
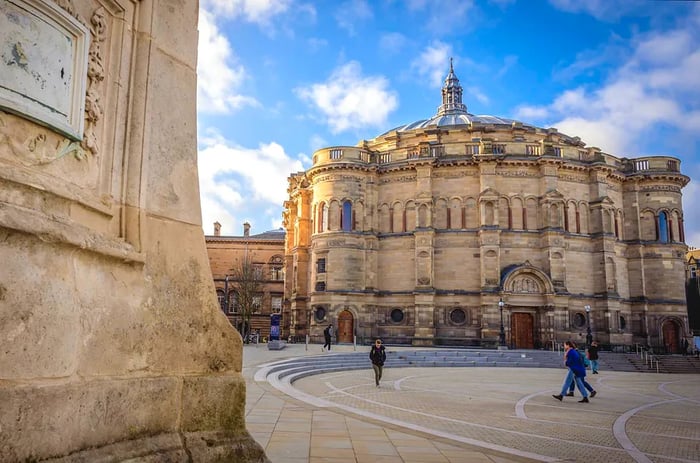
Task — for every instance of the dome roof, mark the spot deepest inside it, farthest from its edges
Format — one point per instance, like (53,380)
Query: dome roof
(463,118)
(452,112)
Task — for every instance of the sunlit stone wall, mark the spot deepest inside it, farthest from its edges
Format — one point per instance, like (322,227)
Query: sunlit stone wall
(112,344)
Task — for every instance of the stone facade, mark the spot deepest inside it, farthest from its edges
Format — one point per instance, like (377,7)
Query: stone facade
(692,259)
(415,236)
(265,251)
(113,345)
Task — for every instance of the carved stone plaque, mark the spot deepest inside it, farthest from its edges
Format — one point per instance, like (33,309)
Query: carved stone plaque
(43,64)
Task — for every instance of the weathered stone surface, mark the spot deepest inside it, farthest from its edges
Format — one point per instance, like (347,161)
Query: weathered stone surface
(112,344)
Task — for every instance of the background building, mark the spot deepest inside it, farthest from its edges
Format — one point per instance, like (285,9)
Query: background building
(417,235)
(265,252)
(693,290)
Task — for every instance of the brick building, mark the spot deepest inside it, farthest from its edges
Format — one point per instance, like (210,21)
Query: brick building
(265,251)
(417,235)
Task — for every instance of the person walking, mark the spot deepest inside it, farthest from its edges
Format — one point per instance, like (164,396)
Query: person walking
(592,355)
(327,333)
(576,368)
(572,382)
(377,354)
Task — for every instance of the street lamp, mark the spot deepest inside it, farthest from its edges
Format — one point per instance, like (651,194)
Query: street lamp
(226,295)
(589,336)
(502,333)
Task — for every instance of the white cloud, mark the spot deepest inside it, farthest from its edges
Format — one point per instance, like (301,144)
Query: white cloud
(392,42)
(508,62)
(433,63)
(349,100)
(644,92)
(352,12)
(529,113)
(255,11)
(691,214)
(480,96)
(652,94)
(219,77)
(606,10)
(315,44)
(317,142)
(235,180)
(444,16)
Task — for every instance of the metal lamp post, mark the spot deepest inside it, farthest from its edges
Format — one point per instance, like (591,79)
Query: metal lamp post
(502,333)
(226,295)
(589,336)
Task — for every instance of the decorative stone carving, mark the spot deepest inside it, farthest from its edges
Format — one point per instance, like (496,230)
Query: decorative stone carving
(37,148)
(96,74)
(526,285)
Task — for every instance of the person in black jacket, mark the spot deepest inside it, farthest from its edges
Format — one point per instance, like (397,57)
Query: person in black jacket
(592,355)
(378,356)
(327,333)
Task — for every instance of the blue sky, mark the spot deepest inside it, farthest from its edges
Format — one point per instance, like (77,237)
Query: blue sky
(278,79)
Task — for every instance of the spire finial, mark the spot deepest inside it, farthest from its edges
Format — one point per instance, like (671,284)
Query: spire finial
(451,94)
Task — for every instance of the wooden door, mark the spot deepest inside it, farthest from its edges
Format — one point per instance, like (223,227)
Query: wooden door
(522,326)
(671,337)
(345,327)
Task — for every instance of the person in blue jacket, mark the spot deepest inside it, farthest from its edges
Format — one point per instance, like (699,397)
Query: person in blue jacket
(576,368)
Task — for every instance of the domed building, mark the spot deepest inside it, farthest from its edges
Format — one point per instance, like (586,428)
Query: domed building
(481,230)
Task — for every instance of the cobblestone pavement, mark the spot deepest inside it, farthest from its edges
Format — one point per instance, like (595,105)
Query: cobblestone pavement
(470,415)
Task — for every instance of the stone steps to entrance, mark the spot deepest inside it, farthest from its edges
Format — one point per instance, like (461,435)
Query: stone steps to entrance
(293,369)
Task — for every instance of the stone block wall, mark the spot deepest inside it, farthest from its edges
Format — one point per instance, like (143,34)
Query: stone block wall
(114,347)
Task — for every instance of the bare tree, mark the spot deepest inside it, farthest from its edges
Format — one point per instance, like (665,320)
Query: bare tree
(247,282)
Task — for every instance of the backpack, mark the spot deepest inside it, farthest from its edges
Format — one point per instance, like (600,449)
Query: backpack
(327,331)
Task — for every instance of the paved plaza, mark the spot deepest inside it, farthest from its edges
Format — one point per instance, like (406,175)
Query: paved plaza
(484,414)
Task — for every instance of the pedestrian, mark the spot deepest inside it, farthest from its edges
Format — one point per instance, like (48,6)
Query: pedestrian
(684,344)
(572,382)
(576,369)
(327,333)
(377,355)
(592,355)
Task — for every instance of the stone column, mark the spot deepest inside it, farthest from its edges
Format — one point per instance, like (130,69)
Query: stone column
(113,344)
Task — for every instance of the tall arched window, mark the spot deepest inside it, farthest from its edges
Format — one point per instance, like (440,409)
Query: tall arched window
(322,218)
(663,227)
(346,216)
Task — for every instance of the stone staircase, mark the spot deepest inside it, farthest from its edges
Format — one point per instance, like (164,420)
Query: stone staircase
(293,369)
(679,364)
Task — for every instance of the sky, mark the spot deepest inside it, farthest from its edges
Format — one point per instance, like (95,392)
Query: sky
(279,79)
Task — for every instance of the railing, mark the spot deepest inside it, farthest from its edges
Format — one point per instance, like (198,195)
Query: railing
(344,154)
(651,164)
(648,357)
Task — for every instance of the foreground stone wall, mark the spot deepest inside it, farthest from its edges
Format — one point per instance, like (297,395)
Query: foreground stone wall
(112,343)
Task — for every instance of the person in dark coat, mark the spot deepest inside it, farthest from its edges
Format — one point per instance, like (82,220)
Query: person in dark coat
(576,369)
(593,357)
(572,383)
(327,333)
(377,355)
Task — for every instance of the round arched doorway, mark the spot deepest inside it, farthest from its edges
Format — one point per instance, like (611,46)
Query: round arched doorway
(345,326)
(671,335)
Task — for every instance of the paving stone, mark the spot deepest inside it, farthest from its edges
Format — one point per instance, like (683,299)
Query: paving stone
(467,414)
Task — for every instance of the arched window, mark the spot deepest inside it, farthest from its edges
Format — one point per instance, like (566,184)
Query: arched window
(322,218)
(489,216)
(663,227)
(346,217)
